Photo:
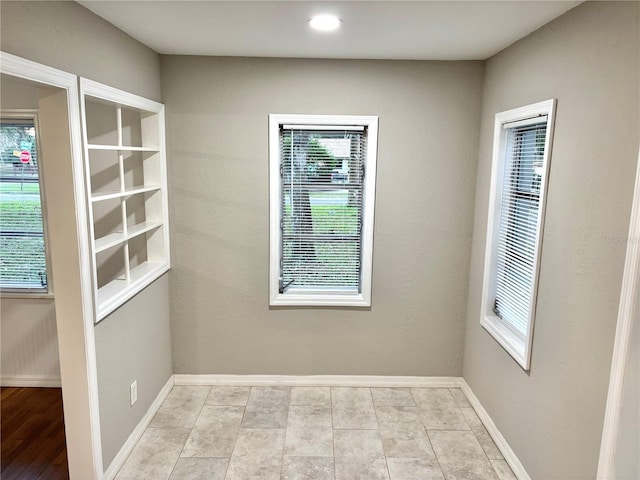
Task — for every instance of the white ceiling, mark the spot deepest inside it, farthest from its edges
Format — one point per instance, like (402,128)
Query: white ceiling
(412,30)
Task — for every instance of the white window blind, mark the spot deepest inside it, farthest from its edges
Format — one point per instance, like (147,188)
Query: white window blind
(322,191)
(22,248)
(522,140)
(517,237)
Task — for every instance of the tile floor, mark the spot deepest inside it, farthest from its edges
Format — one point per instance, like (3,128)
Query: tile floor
(315,433)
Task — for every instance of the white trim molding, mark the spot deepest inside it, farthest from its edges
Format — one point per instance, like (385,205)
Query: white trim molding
(136,434)
(627,311)
(319,381)
(313,296)
(30,381)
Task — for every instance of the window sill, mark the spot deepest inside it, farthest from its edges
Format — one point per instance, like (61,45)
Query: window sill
(513,344)
(318,300)
(25,295)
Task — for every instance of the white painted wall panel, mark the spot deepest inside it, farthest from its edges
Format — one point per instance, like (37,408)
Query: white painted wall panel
(29,342)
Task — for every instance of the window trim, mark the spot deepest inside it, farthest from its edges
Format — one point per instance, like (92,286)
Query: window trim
(293,297)
(24,292)
(519,348)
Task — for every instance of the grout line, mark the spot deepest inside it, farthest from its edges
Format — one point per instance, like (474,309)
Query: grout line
(384,454)
(191,429)
(426,431)
(435,454)
(286,428)
(485,431)
(333,431)
(244,409)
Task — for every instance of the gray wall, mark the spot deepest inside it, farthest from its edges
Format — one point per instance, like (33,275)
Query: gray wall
(588,59)
(67,36)
(133,342)
(16,93)
(219,189)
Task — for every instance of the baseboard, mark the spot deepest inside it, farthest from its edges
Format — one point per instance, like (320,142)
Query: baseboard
(30,381)
(500,441)
(318,380)
(135,436)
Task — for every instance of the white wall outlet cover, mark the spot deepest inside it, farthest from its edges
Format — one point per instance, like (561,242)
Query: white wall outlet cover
(134,392)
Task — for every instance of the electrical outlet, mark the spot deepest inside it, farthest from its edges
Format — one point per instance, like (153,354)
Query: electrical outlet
(134,392)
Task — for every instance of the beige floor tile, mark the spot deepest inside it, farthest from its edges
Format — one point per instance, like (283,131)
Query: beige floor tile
(214,433)
(200,469)
(310,396)
(352,408)
(438,409)
(400,415)
(460,398)
(228,396)
(309,432)
(274,395)
(392,397)
(258,442)
(267,407)
(361,469)
(399,441)
(257,455)
(181,407)
(360,444)
(307,468)
(414,469)
(461,456)
(478,429)
(254,468)
(402,432)
(155,455)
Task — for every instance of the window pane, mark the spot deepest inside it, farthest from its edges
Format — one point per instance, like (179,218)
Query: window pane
(519,225)
(22,252)
(329,212)
(322,193)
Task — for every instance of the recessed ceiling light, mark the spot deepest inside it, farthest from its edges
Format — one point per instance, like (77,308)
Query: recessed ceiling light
(325,23)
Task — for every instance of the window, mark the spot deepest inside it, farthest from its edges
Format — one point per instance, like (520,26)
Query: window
(522,145)
(23,260)
(322,187)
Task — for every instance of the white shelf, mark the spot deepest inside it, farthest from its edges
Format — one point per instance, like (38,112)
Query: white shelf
(117,238)
(122,148)
(100,197)
(119,290)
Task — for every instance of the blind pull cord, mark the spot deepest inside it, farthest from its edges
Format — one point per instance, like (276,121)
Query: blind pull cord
(283,287)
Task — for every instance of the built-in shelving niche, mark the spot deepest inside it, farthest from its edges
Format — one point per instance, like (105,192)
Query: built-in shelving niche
(125,165)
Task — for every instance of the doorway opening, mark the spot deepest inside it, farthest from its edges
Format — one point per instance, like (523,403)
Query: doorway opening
(48,369)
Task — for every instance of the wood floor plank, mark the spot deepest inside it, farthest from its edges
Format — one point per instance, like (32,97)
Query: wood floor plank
(32,431)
